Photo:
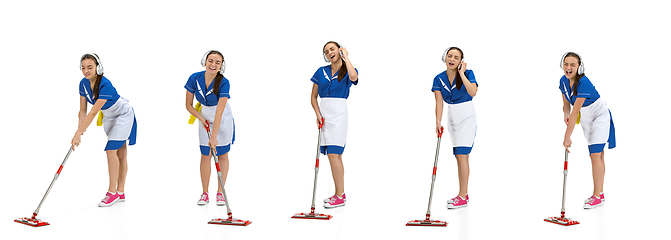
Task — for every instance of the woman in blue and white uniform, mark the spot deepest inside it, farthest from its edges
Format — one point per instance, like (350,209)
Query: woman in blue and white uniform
(332,83)
(211,89)
(457,86)
(595,118)
(118,121)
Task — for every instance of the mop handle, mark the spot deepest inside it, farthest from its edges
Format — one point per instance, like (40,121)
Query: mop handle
(433,176)
(58,173)
(563,196)
(314,189)
(216,163)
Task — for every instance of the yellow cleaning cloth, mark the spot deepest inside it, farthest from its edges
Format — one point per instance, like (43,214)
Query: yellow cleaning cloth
(100,119)
(192,119)
(578,121)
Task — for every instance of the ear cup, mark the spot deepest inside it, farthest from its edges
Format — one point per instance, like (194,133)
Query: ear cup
(99,68)
(445,55)
(204,59)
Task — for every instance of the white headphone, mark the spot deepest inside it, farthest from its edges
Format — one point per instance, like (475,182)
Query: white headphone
(223,63)
(99,68)
(445,53)
(581,68)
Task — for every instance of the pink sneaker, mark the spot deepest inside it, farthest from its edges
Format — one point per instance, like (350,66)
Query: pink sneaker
(203,199)
(593,202)
(452,200)
(329,199)
(335,202)
(457,202)
(220,199)
(602,197)
(109,200)
(122,197)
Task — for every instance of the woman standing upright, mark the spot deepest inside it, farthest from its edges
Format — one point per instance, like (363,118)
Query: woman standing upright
(457,86)
(332,83)
(595,118)
(211,89)
(118,121)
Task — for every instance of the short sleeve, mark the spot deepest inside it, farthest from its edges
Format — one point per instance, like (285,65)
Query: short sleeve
(106,91)
(315,77)
(82,90)
(191,84)
(471,77)
(355,82)
(224,89)
(584,88)
(436,84)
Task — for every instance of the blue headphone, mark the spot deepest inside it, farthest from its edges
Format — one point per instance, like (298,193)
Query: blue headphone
(223,63)
(99,68)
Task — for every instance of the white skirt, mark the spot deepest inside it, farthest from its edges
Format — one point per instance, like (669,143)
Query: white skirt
(334,131)
(226,132)
(461,124)
(118,121)
(595,121)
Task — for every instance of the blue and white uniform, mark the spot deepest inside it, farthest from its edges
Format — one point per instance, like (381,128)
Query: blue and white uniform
(118,116)
(208,100)
(333,107)
(595,117)
(461,119)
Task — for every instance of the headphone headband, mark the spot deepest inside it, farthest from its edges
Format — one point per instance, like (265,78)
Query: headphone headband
(223,63)
(99,68)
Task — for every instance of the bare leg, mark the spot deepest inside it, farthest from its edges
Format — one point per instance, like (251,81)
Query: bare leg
(113,168)
(598,172)
(205,169)
(338,172)
(464,171)
(122,154)
(223,165)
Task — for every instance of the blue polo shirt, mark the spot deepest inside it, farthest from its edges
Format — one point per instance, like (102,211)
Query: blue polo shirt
(585,90)
(105,91)
(451,94)
(331,87)
(204,95)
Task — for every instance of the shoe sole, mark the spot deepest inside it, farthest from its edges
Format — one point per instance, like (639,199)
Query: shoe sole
(203,203)
(107,205)
(221,204)
(455,207)
(587,206)
(334,206)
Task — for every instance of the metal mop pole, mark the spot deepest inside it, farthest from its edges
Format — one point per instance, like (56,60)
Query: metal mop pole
(563,195)
(221,181)
(433,176)
(314,189)
(58,173)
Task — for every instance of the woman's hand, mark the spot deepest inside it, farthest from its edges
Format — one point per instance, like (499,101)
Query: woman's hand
(344,54)
(567,143)
(462,69)
(320,120)
(439,129)
(213,142)
(76,140)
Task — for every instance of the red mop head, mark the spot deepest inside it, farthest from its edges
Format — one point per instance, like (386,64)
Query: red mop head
(427,223)
(561,221)
(312,215)
(230,221)
(32,221)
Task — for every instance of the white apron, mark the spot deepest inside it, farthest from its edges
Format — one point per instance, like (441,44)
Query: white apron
(461,123)
(118,120)
(334,131)
(225,134)
(595,121)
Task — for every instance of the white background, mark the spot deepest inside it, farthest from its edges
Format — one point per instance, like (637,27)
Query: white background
(272,48)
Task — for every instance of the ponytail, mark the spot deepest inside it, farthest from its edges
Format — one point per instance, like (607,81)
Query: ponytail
(96,87)
(217,82)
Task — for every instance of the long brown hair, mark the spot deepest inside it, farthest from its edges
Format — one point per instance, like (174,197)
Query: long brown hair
(578,76)
(343,68)
(96,86)
(219,77)
(458,78)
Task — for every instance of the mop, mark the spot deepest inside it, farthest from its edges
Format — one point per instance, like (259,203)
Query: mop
(312,214)
(32,221)
(428,221)
(563,220)
(230,220)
